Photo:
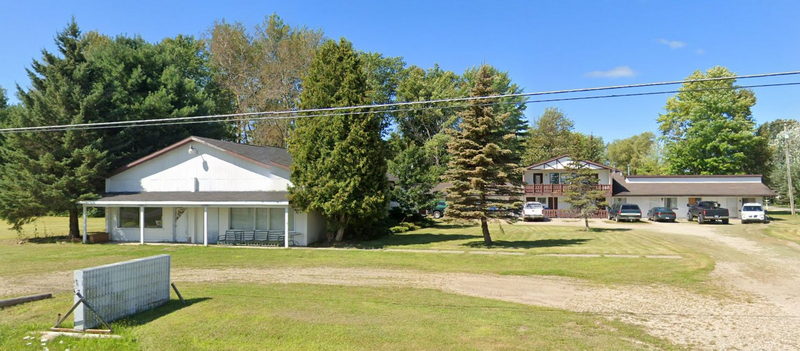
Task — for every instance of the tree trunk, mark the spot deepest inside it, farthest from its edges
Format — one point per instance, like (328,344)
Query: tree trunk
(586,222)
(74,230)
(487,239)
(340,230)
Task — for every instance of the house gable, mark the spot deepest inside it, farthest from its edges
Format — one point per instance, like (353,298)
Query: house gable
(196,165)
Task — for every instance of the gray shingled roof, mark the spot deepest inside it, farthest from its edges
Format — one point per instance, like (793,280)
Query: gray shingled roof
(200,196)
(622,188)
(263,154)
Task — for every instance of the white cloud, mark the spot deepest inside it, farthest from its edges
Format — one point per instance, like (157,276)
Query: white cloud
(700,51)
(673,44)
(616,72)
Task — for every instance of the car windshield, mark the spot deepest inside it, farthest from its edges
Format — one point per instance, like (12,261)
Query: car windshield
(662,209)
(533,205)
(752,208)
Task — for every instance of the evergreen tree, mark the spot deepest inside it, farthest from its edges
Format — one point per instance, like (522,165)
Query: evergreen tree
(486,178)
(582,192)
(339,166)
(415,181)
(51,172)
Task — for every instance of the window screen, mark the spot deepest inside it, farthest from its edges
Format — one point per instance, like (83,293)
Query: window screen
(242,218)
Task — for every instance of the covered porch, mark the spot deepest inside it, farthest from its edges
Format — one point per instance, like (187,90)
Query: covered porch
(229,218)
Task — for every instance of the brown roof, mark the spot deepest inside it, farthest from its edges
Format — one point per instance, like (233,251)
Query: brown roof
(263,155)
(200,196)
(622,188)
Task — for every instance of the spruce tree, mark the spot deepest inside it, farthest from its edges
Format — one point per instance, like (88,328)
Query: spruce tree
(49,172)
(339,166)
(486,177)
(582,192)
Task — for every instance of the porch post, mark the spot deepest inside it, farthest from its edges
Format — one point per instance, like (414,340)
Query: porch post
(141,225)
(286,226)
(85,226)
(205,225)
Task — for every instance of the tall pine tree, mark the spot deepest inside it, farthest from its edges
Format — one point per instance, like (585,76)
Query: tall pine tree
(50,172)
(485,174)
(582,192)
(339,166)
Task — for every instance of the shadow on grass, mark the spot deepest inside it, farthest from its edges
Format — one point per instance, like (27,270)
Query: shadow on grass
(413,239)
(52,239)
(603,230)
(162,311)
(528,244)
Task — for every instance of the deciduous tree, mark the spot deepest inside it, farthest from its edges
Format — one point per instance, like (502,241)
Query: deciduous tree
(637,154)
(486,178)
(339,166)
(709,128)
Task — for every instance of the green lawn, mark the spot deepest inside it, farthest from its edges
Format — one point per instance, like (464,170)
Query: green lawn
(690,271)
(318,317)
(784,226)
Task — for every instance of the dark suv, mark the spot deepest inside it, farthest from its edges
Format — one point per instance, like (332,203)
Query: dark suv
(625,212)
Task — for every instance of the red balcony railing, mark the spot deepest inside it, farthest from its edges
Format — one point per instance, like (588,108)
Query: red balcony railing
(556,189)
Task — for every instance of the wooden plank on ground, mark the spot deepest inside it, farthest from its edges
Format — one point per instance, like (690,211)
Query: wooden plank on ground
(24,299)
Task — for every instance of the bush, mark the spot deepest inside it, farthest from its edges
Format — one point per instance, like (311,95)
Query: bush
(398,229)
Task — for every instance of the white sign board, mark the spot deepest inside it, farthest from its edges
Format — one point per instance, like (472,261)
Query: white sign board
(121,289)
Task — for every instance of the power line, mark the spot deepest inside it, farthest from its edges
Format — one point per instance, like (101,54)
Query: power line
(295,113)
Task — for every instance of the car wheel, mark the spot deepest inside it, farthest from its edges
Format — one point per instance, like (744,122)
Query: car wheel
(725,221)
(437,214)
(689,217)
(616,219)
(700,219)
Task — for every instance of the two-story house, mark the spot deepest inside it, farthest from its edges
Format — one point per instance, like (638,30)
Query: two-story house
(545,182)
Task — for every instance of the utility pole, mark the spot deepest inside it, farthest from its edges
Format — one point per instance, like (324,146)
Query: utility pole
(790,190)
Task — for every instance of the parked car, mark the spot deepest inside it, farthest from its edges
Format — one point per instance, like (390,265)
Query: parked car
(707,211)
(753,212)
(658,214)
(625,212)
(437,210)
(533,211)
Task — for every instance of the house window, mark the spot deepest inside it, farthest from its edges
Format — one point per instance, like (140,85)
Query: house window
(260,218)
(555,178)
(746,200)
(242,218)
(129,217)
(671,202)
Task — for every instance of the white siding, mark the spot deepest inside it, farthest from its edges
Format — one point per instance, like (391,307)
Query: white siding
(209,169)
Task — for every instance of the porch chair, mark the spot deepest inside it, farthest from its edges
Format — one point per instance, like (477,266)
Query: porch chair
(249,237)
(275,237)
(261,237)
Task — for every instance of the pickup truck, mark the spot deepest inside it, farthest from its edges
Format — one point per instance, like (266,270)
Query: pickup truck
(707,211)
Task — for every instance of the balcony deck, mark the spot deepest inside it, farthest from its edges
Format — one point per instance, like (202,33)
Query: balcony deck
(557,189)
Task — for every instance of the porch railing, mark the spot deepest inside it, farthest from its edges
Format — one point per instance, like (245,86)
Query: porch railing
(557,189)
(573,214)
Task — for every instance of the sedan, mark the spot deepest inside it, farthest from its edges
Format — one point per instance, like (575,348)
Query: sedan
(658,214)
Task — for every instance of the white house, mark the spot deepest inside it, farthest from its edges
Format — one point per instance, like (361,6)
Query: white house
(544,182)
(199,189)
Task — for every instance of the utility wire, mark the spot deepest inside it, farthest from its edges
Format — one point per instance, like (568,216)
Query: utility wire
(293,114)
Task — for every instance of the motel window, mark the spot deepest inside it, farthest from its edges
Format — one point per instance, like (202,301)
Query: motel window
(671,202)
(555,178)
(129,217)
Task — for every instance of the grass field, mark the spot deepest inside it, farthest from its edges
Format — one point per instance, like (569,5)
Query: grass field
(297,316)
(318,317)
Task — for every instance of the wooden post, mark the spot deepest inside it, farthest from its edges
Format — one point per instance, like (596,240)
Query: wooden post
(205,225)
(85,226)
(286,226)
(141,225)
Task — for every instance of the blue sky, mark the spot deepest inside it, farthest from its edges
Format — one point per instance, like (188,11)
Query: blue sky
(545,45)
